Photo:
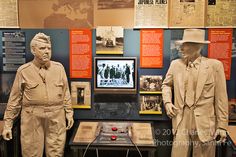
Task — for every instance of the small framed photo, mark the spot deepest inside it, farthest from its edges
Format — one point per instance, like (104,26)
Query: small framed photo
(150,84)
(150,104)
(232,110)
(109,40)
(81,95)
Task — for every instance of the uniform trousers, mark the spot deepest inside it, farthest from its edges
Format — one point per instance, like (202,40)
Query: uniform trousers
(43,128)
(186,142)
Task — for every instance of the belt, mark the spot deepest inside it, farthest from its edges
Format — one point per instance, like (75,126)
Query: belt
(45,107)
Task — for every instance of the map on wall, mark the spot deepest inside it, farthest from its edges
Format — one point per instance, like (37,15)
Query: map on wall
(187,13)
(8,14)
(75,13)
(56,14)
(221,13)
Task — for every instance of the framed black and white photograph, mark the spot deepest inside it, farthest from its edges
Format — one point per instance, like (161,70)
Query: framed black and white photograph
(150,104)
(109,40)
(232,110)
(115,74)
(81,95)
(150,84)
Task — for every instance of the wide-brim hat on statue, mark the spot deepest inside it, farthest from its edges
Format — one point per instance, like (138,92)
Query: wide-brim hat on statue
(193,36)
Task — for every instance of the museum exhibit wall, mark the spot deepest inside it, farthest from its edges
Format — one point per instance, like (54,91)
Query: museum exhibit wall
(113,106)
(117,107)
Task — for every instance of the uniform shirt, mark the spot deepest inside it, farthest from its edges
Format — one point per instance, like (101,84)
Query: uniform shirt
(30,89)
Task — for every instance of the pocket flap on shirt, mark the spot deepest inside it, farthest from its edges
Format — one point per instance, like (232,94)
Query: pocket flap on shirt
(32,85)
(59,84)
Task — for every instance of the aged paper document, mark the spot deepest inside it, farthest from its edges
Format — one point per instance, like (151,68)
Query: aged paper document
(8,14)
(142,133)
(187,13)
(221,13)
(86,132)
(151,14)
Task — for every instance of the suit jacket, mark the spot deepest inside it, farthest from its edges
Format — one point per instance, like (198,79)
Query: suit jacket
(211,102)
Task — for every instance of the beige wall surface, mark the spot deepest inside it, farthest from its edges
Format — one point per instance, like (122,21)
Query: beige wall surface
(32,12)
(114,17)
(73,14)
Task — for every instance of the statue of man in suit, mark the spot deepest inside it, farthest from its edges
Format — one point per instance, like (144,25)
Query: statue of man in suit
(199,113)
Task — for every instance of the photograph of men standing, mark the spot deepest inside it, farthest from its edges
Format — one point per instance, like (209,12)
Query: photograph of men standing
(199,112)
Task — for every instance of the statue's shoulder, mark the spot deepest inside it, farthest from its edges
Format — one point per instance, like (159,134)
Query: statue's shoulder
(57,64)
(176,61)
(212,61)
(24,66)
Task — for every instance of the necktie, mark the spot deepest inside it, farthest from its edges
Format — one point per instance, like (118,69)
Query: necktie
(190,87)
(42,73)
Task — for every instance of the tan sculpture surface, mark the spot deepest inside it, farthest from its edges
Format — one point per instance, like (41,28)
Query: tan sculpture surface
(40,94)
(199,113)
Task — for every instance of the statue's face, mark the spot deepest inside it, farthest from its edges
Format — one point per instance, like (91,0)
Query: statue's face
(42,52)
(189,50)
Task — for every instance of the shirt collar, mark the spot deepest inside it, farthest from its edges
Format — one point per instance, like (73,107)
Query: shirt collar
(195,63)
(39,66)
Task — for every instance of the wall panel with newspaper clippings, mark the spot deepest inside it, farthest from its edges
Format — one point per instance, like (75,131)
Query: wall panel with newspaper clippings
(187,13)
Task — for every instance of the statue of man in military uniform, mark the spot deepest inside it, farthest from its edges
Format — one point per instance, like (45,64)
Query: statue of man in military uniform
(40,94)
